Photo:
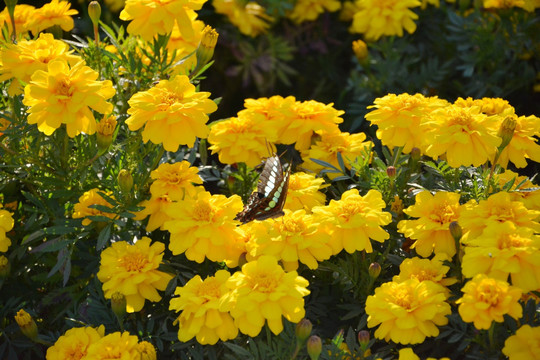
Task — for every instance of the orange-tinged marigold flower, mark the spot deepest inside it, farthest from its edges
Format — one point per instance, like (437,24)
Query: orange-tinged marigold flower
(133,271)
(408,311)
(173,113)
(249,17)
(354,220)
(147,351)
(66,94)
(24,17)
(27,324)
(304,192)
(486,300)
(402,120)
(349,146)
(378,18)
(425,269)
(246,138)
(504,249)
(177,180)
(203,227)
(21,60)
(464,135)
(199,302)
(73,345)
(92,197)
(150,18)
(294,237)
(57,12)
(309,10)
(264,292)
(6,224)
(524,344)
(431,230)
(114,346)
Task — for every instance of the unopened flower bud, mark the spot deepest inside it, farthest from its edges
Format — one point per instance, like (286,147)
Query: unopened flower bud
(416,154)
(363,338)
(374,270)
(303,330)
(5,267)
(118,304)
(391,172)
(506,131)
(360,50)
(26,324)
(104,132)
(205,51)
(94,11)
(147,350)
(455,230)
(314,347)
(125,181)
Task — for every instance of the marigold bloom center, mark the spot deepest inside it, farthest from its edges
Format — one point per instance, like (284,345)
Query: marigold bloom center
(134,262)
(264,283)
(510,241)
(208,290)
(460,117)
(293,225)
(488,292)
(171,98)
(202,211)
(402,297)
(443,213)
(63,87)
(424,274)
(75,354)
(350,208)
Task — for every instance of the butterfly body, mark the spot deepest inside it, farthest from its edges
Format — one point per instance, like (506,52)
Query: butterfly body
(267,202)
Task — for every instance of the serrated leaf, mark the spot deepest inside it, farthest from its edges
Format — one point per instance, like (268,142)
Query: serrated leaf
(104,237)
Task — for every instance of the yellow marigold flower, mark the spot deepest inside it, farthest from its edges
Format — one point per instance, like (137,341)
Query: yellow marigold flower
(294,237)
(4,124)
(396,206)
(304,192)
(273,108)
(486,300)
(155,207)
(348,10)
(57,12)
(378,18)
(408,311)
(21,60)
(431,230)
(360,49)
(488,106)
(172,112)
(204,227)
(425,269)
(91,197)
(66,95)
(249,17)
(104,131)
(73,345)
(199,302)
(309,117)
(465,135)
(182,44)
(524,344)
(6,224)
(26,324)
(408,354)
(146,350)
(350,146)
(356,219)
(523,144)
(525,193)
(309,10)
(242,139)
(176,180)
(504,249)
(402,119)
(157,17)
(264,292)
(503,4)
(498,208)
(133,271)
(114,346)
(24,17)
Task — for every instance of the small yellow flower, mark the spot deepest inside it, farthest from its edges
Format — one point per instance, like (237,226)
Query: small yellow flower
(91,197)
(173,113)
(74,343)
(264,292)
(486,300)
(176,180)
(527,193)
(147,351)
(425,269)
(431,230)
(57,12)
(304,192)
(524,344)
(114,346)
(488,106)
(523,143)
(133,271)
(104,131)
(309,10)
(407,311)
(360,49)
(26,324)
(155,207)
(504,4)
(201,317)
(205,51)
(150,18)
(203,227)
(24,18)
(378,18)
(356,219)
(66,95)
(6,224)
(249,17)
(408,354)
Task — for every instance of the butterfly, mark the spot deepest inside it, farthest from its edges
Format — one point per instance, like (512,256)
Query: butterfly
(267,202)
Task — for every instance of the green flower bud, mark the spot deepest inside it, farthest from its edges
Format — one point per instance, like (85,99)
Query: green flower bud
(374,270)
(118,304)
(205,51)
(506,131)
(303,330)
(26,324)
(94,11)
(363,339)
(455,230)
(125,181)
(314,347)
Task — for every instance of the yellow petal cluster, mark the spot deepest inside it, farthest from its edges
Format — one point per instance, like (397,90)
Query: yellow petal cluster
(309,10)
(262,293)
(91,197)
(74,343)
(431,230)
(304,192)
(24,17)
(524,344)
(424,270)
(201,317)
(486,300)
(173,113)
(55,13)
(527,192)
(67,94)
(133,271)
(248,16)
(408,311)
(6,224)
(114,346)
(355,219)
(523,145)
